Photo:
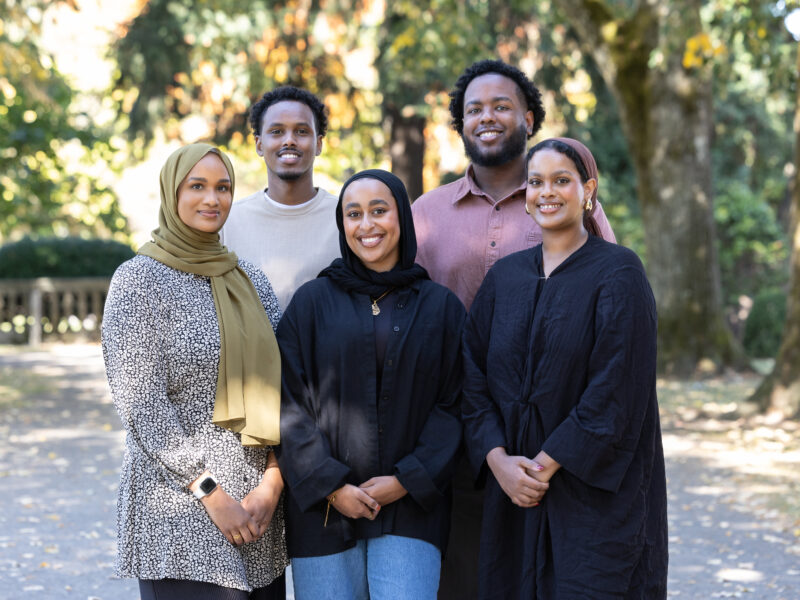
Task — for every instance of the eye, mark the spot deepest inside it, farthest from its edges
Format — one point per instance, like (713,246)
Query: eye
(223,188)
(379,211)
(532,181)
(302,131)
(352,214)
(196,186)
(274,131)
(472,111)
(502,107)
(562,180)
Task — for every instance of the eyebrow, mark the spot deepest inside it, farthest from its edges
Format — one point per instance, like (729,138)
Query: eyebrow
(559,172)
(371,203)
(495,99)
(204,180)
(300,124)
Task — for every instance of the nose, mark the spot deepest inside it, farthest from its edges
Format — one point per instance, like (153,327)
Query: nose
(487,114)
(288,139)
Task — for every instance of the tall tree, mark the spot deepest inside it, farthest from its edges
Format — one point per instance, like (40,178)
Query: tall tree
(652,56)
(780,391)
(41,191)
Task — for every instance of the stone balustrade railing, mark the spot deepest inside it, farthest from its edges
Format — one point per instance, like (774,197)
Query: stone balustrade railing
(46,308)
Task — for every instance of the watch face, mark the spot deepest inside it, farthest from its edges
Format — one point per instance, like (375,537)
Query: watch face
(207,485)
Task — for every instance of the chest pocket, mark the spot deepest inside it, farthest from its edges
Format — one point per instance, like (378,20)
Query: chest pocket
(533,238)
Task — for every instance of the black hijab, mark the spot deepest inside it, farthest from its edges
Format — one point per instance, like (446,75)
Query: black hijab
(350,273)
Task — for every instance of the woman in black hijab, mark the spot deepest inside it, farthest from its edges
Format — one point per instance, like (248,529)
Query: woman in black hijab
(370,408)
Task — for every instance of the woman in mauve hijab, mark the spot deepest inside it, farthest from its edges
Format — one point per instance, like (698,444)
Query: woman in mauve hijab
(370,408)
(194,371)
(560,410)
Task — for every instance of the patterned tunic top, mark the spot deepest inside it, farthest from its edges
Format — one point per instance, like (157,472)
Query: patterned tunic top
(161,348)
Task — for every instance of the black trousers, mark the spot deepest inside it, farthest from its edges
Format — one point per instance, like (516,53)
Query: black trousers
(184,589)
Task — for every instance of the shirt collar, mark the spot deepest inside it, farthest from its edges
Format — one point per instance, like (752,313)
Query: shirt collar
(468,185)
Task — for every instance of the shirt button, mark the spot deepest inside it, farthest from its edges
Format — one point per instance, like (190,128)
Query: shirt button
(380,429)
(389,362)
(399,305)
(395,328)
(493,244)
(497,208)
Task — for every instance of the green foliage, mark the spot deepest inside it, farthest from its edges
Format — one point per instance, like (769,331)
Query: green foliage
(764,327)
(753,251)
(62,257)
(49,153)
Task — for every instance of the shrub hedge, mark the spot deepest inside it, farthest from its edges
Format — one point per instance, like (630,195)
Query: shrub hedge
(62,257)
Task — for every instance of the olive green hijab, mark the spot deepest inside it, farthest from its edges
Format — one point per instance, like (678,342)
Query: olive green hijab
(248,384)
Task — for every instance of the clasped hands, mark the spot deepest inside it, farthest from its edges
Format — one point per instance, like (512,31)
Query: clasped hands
(246,521)
(524,480)
(365,500)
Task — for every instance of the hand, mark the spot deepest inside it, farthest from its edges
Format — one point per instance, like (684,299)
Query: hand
(513,475)
(384,490)
(355,503)
(548,467)
(230,517)
(263,500)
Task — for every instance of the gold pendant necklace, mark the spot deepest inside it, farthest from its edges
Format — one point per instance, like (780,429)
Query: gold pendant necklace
(375,308)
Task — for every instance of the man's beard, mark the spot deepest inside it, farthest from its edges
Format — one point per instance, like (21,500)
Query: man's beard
(290,175)
(512,148)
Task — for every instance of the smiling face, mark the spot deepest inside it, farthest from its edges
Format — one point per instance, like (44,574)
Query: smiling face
(204,195)
(555,195)
(372,224)
(288,141)
(496,120)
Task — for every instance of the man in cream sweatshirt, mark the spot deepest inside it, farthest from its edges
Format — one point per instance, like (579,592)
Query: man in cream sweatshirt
(288,230)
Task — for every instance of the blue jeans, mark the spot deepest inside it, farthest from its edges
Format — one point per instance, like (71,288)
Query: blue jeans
(390,567)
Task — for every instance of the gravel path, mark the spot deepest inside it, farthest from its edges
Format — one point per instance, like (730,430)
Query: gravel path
(61,447)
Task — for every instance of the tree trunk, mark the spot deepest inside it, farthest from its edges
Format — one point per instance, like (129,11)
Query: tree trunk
(780,391)
(407,149)
(666,112)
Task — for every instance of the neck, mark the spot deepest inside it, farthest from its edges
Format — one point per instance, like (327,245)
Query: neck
(500,181)
(293,192)
(559,244)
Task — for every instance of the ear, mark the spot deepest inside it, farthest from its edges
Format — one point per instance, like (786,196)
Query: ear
(529,122)
(588,188)
(259,149)
(319,146)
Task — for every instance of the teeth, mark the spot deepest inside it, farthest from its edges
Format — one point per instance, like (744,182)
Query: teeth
(289,155)
(548,206)
(370,240)
(487,135)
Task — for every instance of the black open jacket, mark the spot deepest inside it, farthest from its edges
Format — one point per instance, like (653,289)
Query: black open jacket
(337,427)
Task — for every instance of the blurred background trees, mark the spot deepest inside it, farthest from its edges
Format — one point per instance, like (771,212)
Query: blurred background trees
(687,104)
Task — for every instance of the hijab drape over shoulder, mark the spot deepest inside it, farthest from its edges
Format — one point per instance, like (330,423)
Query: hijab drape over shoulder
(350,273)
(248,384)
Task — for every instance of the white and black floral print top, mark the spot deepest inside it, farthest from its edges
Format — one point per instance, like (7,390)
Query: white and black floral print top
(161,348)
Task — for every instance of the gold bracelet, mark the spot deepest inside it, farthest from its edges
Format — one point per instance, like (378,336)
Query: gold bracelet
(331,500)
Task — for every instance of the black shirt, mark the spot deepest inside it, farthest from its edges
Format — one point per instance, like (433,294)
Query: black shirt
(338,426)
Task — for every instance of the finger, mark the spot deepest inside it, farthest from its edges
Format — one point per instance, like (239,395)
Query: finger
(366,499)
(368,483)
(252,530)
(236,538)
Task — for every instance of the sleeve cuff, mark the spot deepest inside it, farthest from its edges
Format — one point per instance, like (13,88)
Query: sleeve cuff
(412,475)
(594,461)
(327,477)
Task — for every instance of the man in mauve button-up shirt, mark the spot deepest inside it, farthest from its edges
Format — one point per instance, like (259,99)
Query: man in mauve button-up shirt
(464,227)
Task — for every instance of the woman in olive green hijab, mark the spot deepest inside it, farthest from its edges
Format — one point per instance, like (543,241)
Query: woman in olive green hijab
(194,372)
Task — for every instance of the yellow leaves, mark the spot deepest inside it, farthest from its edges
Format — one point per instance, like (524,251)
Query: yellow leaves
(700,49)
(609,31)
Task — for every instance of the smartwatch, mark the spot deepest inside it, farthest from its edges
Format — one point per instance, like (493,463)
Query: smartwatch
(207,485)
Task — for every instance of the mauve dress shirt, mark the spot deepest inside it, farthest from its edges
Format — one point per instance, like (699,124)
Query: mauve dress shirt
(462,232)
